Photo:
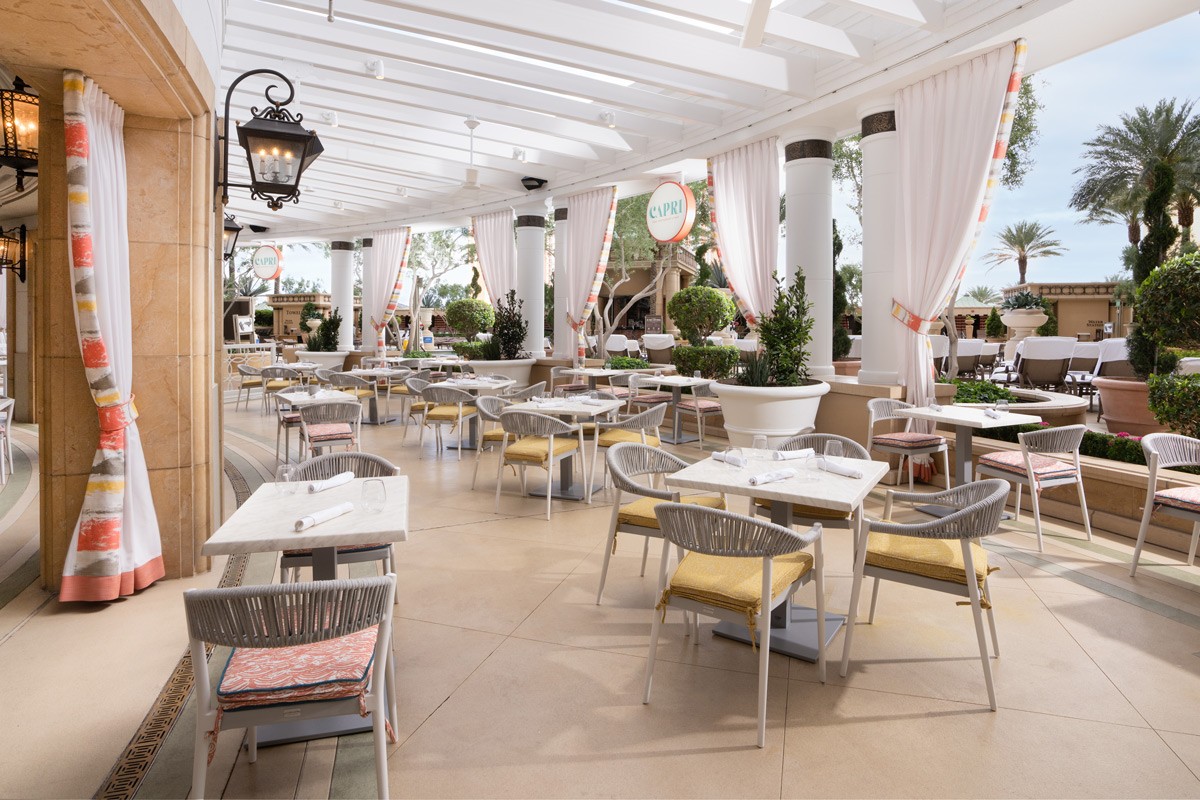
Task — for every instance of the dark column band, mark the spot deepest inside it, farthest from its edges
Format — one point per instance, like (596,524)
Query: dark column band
(808,148)
(531,221)
(341,245)
(560,214)
(883,122)
(368,242)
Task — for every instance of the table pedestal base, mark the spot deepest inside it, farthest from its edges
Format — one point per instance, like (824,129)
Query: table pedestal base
(795,635)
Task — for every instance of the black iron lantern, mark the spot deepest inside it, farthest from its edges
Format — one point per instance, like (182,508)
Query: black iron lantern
(278,147)
(19,131)
(230,236)
(12,251)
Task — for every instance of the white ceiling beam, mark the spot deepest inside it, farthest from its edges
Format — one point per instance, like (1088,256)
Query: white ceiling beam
(917,13)
(422,57)
(756,23)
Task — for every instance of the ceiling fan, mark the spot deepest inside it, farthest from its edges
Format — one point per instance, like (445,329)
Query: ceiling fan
(472,181)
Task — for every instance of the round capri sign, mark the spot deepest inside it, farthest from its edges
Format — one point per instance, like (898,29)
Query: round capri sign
(671,212)
(267,262)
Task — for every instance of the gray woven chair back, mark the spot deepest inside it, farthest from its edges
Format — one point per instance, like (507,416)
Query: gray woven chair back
(619,380)
(703,390)
(639,382)
(326,413)
(628,460)
(249,371)
(560,372)
(466,369)
(1171,449)
(324,375)
(1053,440)
(417,385)
(446,395)
(652,417)
(421,374)
(347,380)
(600,394)
(715,532)
(286,614)
(884,408)
(531,423)
(978,507)
(490,406)
(529,392)
(850,448)
(279,374)
(363,465)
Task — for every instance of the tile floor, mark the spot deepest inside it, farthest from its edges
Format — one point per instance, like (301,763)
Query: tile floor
(513,683)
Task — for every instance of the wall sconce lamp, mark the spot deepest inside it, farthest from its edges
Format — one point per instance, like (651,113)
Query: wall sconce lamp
(12,251)
(230,236)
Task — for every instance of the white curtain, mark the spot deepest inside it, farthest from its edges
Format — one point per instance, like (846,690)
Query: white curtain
(952,130)
(116,548)
(744,183)
(496,245)
(590,215)
(381,280)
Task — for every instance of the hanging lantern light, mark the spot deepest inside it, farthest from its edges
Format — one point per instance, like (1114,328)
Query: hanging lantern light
(19,131)
(12,251)
(229,236)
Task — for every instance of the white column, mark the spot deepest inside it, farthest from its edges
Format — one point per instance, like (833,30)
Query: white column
(366,330)
(564,334)
(881,333)
(342,290)
(531,272)
(808,181)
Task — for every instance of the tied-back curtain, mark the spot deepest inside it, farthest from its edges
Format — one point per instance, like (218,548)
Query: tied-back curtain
(496,246)
(116,549)
(592,215)
(383,278)
(744,186)
(952,136)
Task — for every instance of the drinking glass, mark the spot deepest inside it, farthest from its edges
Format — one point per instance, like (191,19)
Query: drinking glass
(374,495)
(1002,406)
(734,453)
(696,375)
(759,444)
(285,479)
(833,450)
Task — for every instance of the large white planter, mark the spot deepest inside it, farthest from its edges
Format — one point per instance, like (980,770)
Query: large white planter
(518,369)
(1022,322)
(777,412)
(334,360)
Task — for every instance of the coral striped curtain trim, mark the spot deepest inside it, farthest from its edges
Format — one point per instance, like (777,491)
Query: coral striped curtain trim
(389,313)
(751,320)
(593,297)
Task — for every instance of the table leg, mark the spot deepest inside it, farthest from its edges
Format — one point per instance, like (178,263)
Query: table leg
(677,436)
(565,487)
(962,455)
(472,442)
(592,382)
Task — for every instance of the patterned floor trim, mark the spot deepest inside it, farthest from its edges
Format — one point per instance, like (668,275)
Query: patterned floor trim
(134,763)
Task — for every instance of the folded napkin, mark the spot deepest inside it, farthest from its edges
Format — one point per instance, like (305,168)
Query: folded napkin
(788,455)
(770,477)
(830,465)
(733,461)
(934,407)
(329,483)
(324,515)
(993,413)
(590,401)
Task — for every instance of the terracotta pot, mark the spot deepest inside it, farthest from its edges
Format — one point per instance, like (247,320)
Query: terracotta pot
(1126,406)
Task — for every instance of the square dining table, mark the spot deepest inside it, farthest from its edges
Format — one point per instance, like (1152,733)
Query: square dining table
(577,408)
(965,421)
(677,383)
(793,627)
(594,373)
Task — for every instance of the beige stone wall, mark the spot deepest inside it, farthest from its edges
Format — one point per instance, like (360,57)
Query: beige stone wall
(1083,315)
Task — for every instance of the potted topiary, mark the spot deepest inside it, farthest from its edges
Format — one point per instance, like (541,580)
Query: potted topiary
(698,311)
(773,395)
(503,354)
(1023,313)
(470,316)
(322,346)
(994,327)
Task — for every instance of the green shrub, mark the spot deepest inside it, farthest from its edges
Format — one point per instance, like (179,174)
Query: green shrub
(714,361)
(1167,311)
(1050,326)
(490,350)
(325,338)
(841,336)
(1023,299)
(756,371)
(1175,402)
(995,327)
(468,350)
(784,334)
(511,326)
(700,310)
(264,317)
(981,392)
(468,317)
(627,362)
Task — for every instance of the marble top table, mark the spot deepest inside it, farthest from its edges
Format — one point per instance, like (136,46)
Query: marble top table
(965,420)
(793,628)
(480,385)
(576,408)
(297,399)
(592,373)
(677,383)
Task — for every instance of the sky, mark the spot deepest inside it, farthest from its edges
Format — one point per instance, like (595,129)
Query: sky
(1076,96)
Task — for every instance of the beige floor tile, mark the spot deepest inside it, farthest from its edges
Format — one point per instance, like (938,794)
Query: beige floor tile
(1186,746)
(569,722)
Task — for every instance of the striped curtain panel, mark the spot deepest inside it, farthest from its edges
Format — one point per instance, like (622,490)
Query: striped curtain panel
(390,258)
(592,216)
(116,549)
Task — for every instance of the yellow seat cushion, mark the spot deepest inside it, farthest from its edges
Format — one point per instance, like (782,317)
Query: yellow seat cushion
(812,512)
(535,449)
(419,406)
(281,383)
(249,383)
(495,435)
(641,512)
(940,559)
(447,413)
(616,436)
(399,390)
(358,391)
(734,584)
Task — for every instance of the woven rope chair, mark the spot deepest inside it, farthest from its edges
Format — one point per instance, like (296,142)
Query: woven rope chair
(905,443)
(294,630)
(324,377)
(922,554)
(287,419)
(1031,467)
(445,406)
(416,406)
(333,424)
(703,403)
(277,379)
(627,462)
(248,378)
(747,551)
(489,407)
(640,396)
(7,407)
(363,465)
(641,428)
(355,386)
(1164,451)
(804,514)
(528,393)
(619,385)
(570,386)
(529,441)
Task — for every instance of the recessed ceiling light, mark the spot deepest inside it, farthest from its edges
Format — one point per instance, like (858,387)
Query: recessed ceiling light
(375,67)
(519,155)
(338,204)
(609,118)
(330,117)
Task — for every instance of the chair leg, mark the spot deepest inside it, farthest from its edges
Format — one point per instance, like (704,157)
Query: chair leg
(860,562)
(819,566)
(977,613)
(1037,516)
(991,619)
(874,601)
(1087,522)
(499,478)
(379,734)
(1142,530)
(478,458)
(1017,507)
(764,661)
(252,744)
(645,555)
(1195,540)
(655,625)
(200,756)
(421,440)
(911,469)
(608,548)
(549,487)
(946,466)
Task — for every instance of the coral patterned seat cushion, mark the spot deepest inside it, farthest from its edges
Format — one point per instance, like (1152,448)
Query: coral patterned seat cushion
(909,440)
(328,670)
(652,398)
(330,431)
(1013,461)
(1186,498)
(700,404)
(290,418)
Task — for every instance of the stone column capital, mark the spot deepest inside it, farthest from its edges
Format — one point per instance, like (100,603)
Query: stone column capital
(530,209)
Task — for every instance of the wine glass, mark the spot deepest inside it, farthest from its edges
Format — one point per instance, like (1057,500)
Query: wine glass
(833,450)
(374,495)
(285,479)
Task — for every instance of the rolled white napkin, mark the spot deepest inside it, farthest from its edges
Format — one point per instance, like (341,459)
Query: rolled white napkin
(831,465)
(934,407)
(329,483)
(993,413)
(324,515)
(770,477)
(788,455)
(589,401)
(733,461)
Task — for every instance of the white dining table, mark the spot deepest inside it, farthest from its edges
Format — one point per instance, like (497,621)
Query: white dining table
(965,420)
(576,408)
(594,373)
(793,627)
(677,383)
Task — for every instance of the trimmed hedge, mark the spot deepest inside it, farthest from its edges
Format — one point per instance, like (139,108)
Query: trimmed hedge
(714,361)
(981,392)
(627,362)
(700,310)
(470,316)
(1175,402)
(468,350)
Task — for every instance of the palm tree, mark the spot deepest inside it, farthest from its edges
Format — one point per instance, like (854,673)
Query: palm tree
(983,295)
(1123,208)
(1123,157)
(1022,241)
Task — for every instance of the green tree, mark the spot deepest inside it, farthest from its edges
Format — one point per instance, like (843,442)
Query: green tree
(994,326)
(473,288)
(852,278)
(431,256)
(983,295)
(1021,241)
(841,336)
(293,285)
